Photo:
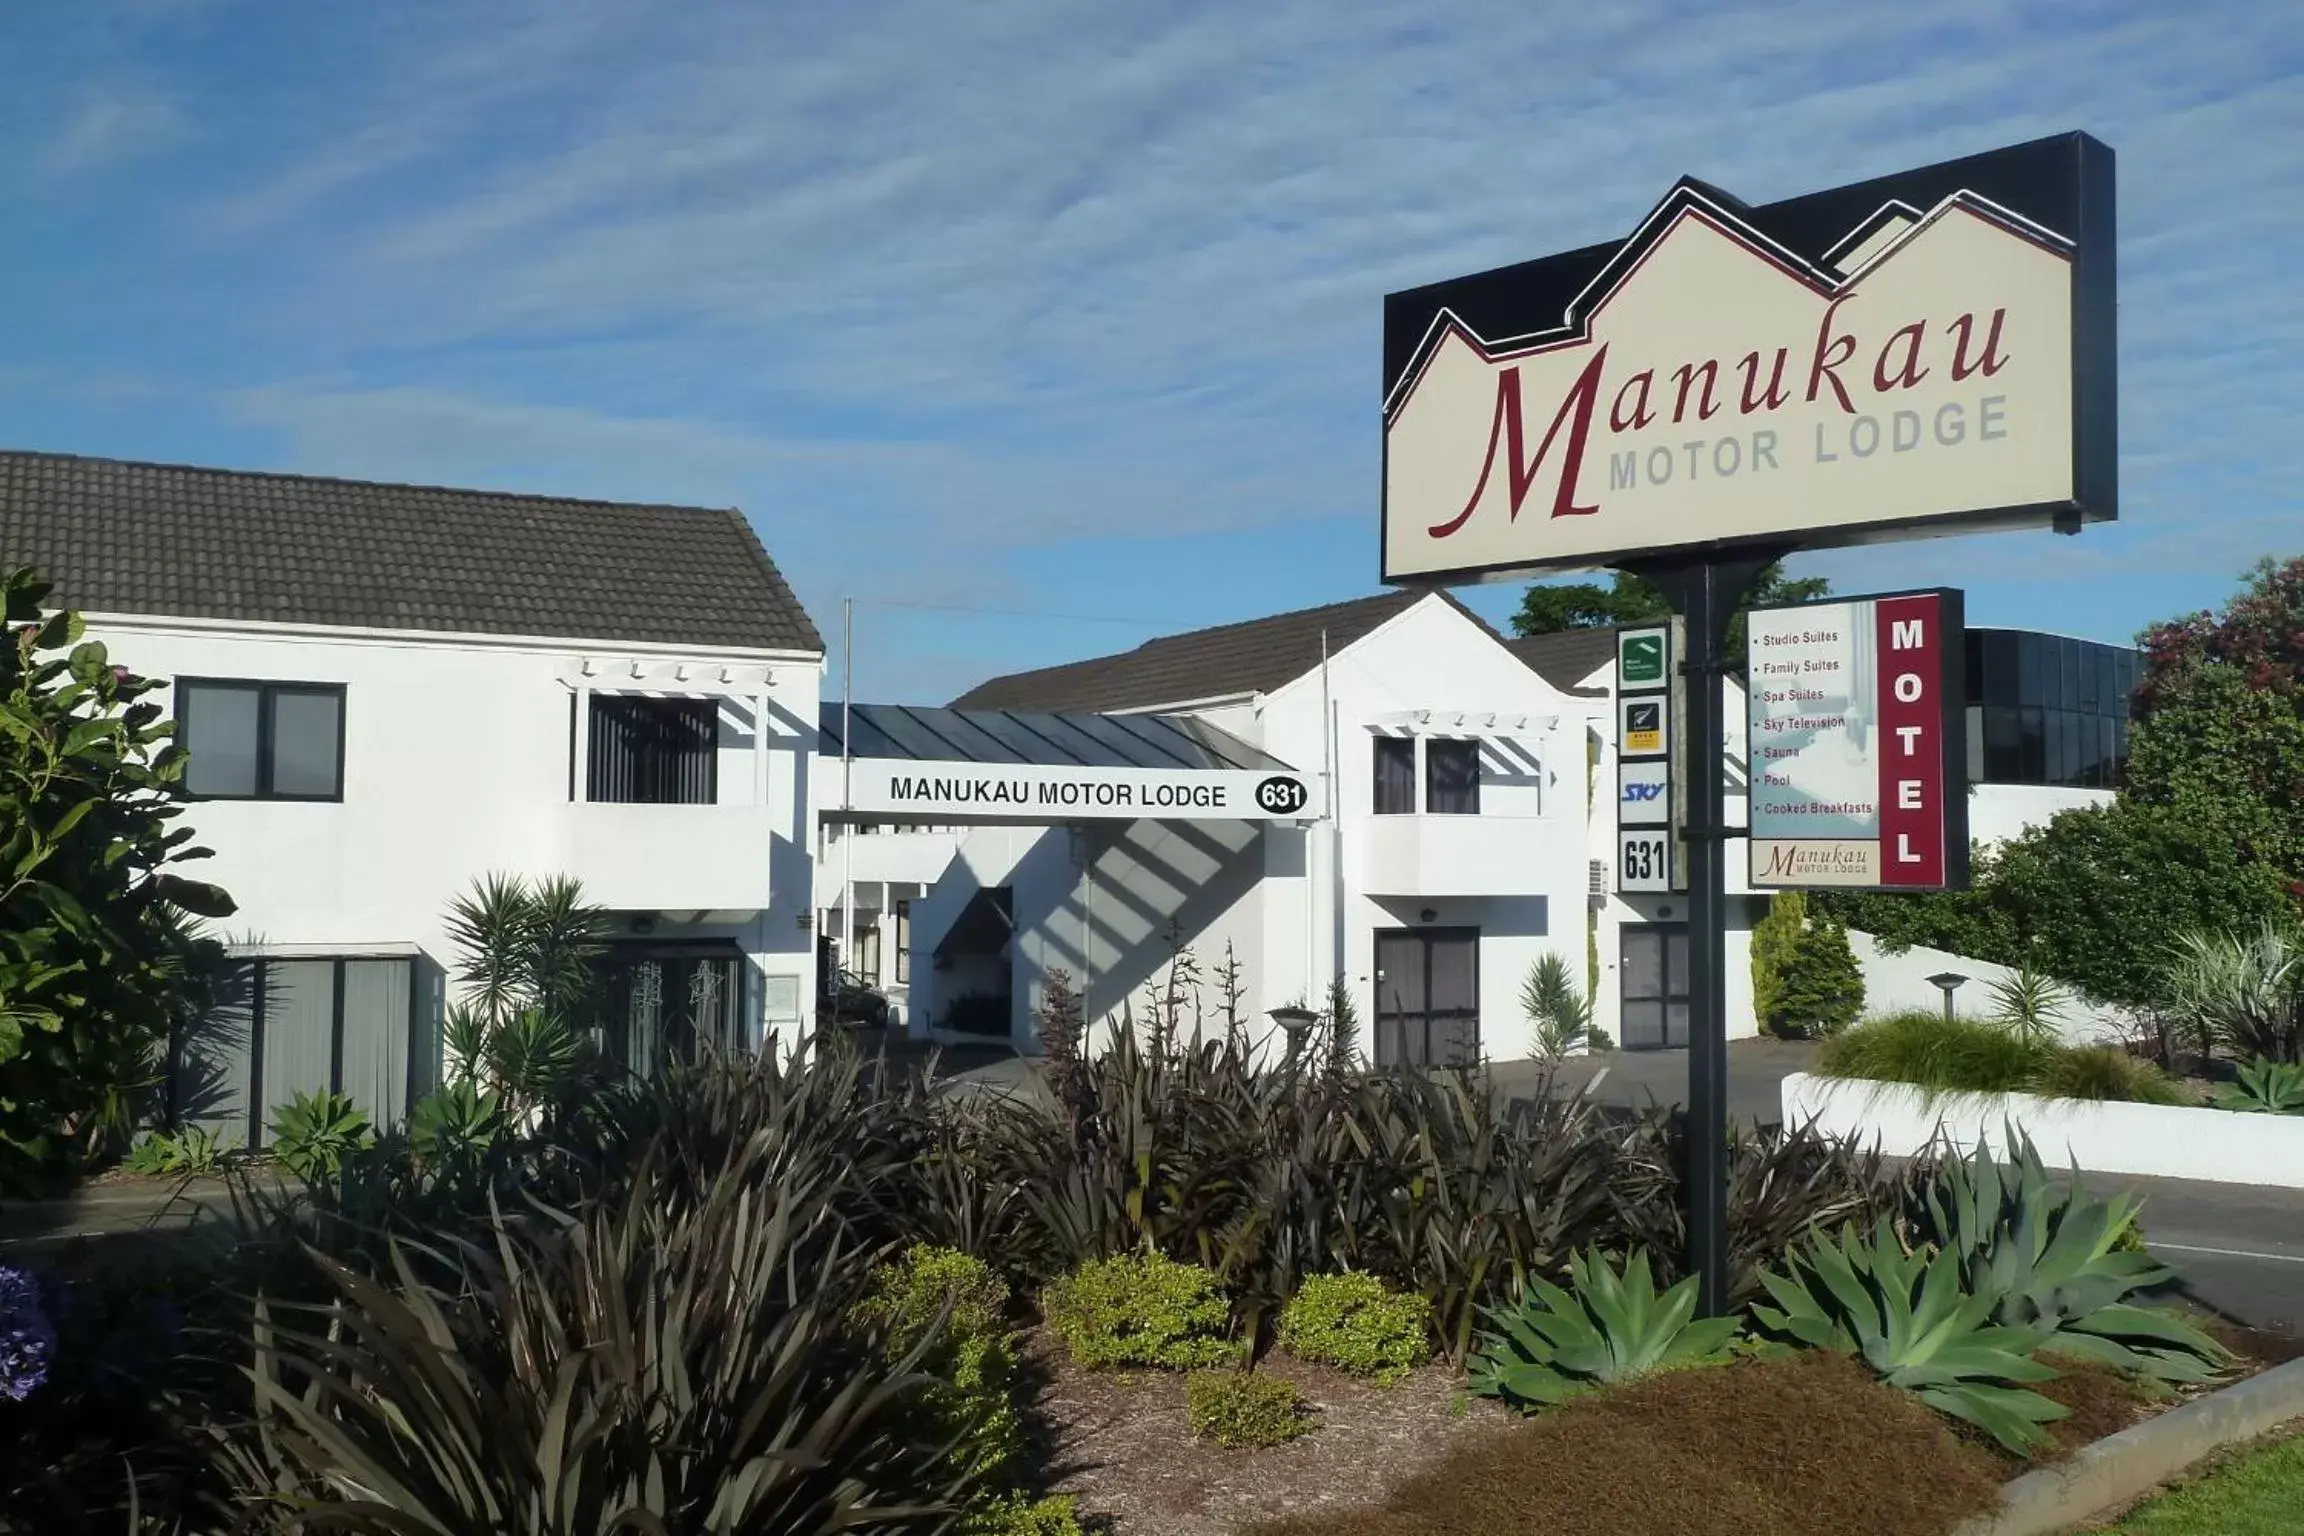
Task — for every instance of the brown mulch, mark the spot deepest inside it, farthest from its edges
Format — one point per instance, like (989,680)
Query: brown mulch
(2103,1402)
(1792,1447)
(1118,1441)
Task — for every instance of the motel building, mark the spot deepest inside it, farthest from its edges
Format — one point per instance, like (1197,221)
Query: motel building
(1460,819)
(389,692)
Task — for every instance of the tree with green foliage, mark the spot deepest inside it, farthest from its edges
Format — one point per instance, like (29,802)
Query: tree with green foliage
(1549,608)
(1775,941)
(2219,734)
(1821,990)
(101,961)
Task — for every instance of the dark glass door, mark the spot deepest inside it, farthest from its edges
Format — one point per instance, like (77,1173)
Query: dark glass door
(1427,997)
(1655,981)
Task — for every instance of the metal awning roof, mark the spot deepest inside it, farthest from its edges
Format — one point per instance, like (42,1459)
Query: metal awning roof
(1000,736)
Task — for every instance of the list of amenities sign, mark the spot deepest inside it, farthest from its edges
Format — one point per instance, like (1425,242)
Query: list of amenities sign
(1926,351)
(1858,759)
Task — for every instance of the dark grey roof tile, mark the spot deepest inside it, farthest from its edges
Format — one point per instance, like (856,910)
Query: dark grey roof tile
(176,541)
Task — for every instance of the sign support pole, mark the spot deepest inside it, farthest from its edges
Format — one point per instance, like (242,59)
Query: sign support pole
(1705,593)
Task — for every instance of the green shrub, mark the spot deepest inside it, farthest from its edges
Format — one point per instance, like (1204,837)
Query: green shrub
(1142,1309)
(1820,989)
(1358,1324)
(2103,1072)
(1019,1514)
(313,1133)
(1960,1055)
(970,1402)
(1241,1409)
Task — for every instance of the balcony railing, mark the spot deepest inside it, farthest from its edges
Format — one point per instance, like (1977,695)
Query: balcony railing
(1453,855)
(668,858)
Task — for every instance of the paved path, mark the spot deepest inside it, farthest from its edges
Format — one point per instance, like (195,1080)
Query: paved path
(1636,1079)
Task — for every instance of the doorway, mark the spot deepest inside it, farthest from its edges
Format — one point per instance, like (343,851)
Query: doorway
(1654,976)
(1427,997)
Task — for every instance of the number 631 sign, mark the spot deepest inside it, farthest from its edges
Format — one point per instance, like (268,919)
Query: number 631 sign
(1644,860)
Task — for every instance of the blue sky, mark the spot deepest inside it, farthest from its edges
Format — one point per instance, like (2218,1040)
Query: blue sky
(1065,308)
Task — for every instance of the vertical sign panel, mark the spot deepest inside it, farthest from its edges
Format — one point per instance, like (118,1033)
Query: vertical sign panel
(1908,638)
(1858,767)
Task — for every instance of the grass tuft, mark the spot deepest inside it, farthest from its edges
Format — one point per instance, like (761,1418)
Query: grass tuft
(1940,1055)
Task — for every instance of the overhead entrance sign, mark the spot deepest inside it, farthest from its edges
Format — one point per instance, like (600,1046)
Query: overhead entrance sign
(1856,735)
(963,792)
(1926,352)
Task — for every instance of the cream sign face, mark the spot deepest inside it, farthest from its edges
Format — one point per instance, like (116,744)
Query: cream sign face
(1710,385)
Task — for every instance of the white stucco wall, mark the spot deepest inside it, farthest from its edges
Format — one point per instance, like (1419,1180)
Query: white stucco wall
(458,762)
(1998,812)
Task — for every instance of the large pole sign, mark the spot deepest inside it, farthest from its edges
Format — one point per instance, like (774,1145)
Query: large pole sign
(1926,353)
(1856,739)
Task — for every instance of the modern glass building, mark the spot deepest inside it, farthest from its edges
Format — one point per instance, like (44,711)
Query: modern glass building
(2048,709)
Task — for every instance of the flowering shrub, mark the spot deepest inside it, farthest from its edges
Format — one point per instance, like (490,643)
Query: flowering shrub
(27,1336)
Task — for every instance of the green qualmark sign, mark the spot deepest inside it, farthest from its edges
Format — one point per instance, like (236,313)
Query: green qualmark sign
(1640,658)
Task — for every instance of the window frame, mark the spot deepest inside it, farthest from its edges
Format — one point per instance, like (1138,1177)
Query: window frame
(266,690)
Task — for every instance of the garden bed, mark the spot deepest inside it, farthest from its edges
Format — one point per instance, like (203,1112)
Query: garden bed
(1811,1443)
(2149,1140)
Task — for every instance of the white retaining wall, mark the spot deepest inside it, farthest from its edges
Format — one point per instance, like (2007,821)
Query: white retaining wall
(1894,983)
(2154,1140)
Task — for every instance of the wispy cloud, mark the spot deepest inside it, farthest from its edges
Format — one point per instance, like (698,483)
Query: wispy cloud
(109,124)
(956,288)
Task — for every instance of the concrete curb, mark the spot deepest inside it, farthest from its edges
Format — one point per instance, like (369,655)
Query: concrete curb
(2135,1461)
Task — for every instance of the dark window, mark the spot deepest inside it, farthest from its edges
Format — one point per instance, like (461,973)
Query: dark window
(2031,675)
(2000,679)
(1427,997)
(654,751)
(903,943)
(1654,978)
(2079,733)
(1452,778)
(261,741)
(1395,776)
(2003,745)
(2032,746)
(1973,665)
(285,1027)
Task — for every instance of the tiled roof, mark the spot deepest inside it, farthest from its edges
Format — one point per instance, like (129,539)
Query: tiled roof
(174,541)
(1257,656)
(1566,658)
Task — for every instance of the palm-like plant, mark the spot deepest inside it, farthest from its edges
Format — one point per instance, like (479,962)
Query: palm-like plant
(1559,1014)
(2031,1005)
(1913,1321)
(2056,1257)
(2241,993)
(526,958)
(1550,1344)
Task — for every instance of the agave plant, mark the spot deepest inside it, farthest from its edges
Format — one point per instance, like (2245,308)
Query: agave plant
(313,1133)
(2053,1256)
(1551,1344)
(1912,1320)
(2266,1087)
(461,1118)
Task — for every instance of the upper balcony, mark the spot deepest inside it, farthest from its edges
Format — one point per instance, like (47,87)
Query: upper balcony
(668,858)
(1452,855)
